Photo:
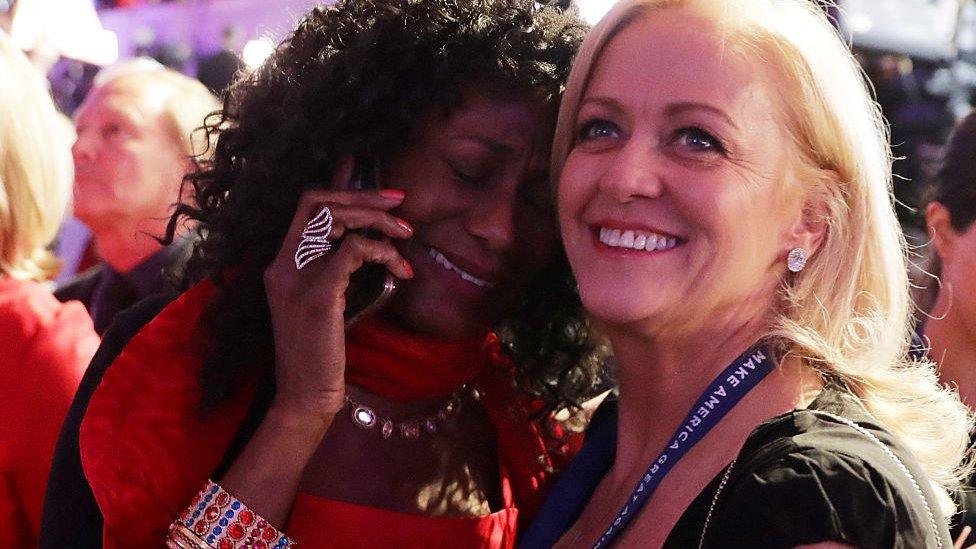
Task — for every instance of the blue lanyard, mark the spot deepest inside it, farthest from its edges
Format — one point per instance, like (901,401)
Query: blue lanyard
(718,399)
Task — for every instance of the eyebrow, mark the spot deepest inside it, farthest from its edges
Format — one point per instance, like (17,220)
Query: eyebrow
(679,108)
(608,102)
(490,144)
(673,109)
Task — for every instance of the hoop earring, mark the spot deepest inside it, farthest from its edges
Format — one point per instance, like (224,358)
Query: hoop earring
(796,260)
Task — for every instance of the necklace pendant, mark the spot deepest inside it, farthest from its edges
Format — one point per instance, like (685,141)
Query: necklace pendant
(387,429)
(363,416)
(410,430)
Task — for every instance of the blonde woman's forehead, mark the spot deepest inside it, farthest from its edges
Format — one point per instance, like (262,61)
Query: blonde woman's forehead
(662,65)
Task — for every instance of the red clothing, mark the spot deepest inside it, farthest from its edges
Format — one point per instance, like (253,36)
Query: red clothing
(146,451)
(339,524)
(44,348)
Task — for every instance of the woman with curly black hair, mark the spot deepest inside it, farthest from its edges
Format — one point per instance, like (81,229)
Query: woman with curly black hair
(425,423)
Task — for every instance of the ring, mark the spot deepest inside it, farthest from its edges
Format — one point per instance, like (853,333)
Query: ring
(315,239)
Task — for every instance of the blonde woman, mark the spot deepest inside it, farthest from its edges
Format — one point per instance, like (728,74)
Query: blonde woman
(44,345)
(724,200)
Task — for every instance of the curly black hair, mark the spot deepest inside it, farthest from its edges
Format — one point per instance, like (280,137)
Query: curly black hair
(353,80)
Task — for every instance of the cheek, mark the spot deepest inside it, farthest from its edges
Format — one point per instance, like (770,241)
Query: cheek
(128,161)
(740,215)
(428,197)
(420,207)
(577,185)
(965,268)
(736,239)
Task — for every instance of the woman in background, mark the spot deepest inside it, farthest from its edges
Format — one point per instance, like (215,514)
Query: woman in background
(725,204)
(950,326)
(44,345)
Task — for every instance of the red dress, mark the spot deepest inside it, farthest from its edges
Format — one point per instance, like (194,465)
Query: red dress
(44,348)
(146,451)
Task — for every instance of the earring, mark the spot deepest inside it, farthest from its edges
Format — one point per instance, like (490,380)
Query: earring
(797,260)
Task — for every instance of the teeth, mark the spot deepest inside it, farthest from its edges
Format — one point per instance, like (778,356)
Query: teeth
(466,276)
(627,239)
(651,243)
(636,240)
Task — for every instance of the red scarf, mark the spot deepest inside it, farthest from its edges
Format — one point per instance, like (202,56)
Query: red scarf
(392,363)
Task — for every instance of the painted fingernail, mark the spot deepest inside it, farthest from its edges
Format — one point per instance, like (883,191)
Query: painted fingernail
(406,265)
(404,225)
(392,194)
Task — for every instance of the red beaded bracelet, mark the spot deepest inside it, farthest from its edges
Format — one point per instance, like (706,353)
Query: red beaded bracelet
(218,520)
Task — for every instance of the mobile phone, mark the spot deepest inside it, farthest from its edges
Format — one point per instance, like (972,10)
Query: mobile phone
(372,285)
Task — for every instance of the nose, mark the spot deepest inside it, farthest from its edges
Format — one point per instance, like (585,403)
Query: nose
(83,149)
(493,218)
(636,172)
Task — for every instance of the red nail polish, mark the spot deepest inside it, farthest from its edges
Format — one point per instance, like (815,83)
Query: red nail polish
(404,225)
(406,265)
(392,194)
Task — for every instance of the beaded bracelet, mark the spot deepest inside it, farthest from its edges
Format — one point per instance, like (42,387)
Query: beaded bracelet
(216,519)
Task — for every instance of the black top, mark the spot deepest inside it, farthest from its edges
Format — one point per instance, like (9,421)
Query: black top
(71,517)
(801,478)
(966,508)
(106,292)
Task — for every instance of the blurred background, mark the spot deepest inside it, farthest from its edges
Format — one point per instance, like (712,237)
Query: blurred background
(919,54)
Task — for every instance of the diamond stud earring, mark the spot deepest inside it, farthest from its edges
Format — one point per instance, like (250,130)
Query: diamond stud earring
(797,260)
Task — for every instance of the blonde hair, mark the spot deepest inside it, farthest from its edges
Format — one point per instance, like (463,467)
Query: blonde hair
(188,103)
(35,169)
(848,312)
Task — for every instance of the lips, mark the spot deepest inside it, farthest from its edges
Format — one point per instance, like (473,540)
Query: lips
(483,281)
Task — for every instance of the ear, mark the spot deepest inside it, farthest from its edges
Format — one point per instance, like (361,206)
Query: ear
(938,221)
(809,229)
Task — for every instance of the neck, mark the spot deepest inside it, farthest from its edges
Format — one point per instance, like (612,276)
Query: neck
(954,348)
(405,367)
(125,246)
(661,378)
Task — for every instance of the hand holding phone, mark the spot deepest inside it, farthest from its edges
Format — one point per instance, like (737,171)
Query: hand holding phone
(371,286)
(310,307)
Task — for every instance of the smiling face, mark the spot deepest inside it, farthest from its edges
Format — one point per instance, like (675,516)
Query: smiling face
(478,198)
(677,201)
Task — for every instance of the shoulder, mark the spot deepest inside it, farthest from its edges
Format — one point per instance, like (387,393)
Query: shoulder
(145,447)
(81,286)
(71,516)
(130,321)
(126,325)
(45,347)
(33,322)
(814,476)
(966,515)
(25,299)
